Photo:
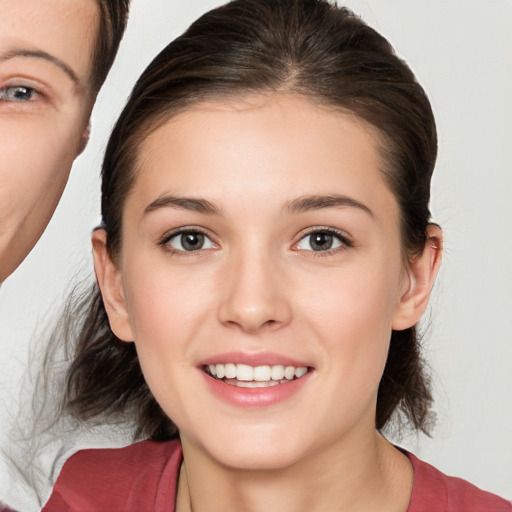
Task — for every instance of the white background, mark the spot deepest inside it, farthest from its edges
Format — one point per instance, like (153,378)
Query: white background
(461,52)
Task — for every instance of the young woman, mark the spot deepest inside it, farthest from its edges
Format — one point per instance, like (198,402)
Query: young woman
(265,254)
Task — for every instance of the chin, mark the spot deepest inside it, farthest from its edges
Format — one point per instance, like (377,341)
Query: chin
(256,451)
(257,460)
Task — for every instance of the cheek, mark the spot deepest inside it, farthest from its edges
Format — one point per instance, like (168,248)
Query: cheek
(166,318)
(35,160)
(167,308)
(352,314)
(359,300)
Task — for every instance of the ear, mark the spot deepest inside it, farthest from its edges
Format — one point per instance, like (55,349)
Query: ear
(84,140)
(421,273)
(109,280)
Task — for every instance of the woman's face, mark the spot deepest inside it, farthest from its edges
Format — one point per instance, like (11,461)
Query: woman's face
(45,100)
(261,242)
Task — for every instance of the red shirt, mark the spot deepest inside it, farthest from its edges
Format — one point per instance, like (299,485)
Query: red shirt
(143,476)
(433,491)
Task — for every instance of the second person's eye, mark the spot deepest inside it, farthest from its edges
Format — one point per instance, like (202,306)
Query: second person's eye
(17,93)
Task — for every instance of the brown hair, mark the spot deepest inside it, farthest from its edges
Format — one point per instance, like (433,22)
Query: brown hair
(113,18)
(307,47)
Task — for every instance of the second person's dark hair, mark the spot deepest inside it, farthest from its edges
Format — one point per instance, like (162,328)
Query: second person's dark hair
(112,24)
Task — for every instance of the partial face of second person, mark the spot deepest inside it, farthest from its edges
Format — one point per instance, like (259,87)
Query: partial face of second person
(261,233)
(45,101)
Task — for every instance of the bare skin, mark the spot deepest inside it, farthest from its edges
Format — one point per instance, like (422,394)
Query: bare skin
(351,484)
(45,103)
(262,229)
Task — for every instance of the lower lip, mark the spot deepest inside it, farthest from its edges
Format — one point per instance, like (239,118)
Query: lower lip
(255,397)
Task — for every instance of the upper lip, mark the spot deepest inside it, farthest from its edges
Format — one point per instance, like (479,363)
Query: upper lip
(253,359)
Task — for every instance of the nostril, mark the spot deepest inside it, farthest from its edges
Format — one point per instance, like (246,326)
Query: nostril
(255,312)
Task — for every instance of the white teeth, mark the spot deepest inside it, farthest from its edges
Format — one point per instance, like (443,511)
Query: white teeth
(252,384)
(230,370)
(277,372)
(256,376)
(243,372)
(300,372)
(289,372)
(261,373)
(219,370)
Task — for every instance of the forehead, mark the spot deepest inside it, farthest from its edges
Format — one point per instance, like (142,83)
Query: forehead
(256,120)
(285,144)
(63,29)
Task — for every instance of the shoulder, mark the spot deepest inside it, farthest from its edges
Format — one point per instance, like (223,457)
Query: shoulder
(139,477)
(432,488)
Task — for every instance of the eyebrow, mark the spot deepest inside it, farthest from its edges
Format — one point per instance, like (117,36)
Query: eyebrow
(39,54)
(185,203)
(315,202)
(299,205)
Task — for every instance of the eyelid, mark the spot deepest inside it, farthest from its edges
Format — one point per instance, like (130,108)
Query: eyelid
(345,239)
(165,239)
(21,79)
(21,86)
(42,94)
(44,91)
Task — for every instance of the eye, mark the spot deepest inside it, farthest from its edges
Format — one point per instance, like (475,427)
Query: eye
(18,93)
(322,240)
(189,241)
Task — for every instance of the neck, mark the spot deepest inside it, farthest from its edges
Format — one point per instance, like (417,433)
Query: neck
(369,476)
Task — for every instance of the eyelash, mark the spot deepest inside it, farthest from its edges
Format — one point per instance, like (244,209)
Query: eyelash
(344,241)
(164,242)
(32,90)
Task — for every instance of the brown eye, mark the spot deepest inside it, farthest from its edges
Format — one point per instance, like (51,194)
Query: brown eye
(190,241)
(321,240)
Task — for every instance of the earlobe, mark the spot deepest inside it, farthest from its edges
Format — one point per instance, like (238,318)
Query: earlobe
(84,140)
(421,274)
(109,280)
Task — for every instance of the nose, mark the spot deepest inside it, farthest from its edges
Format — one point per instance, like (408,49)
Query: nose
(255,297)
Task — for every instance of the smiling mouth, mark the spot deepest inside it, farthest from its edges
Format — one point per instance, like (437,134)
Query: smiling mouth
(245,376)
